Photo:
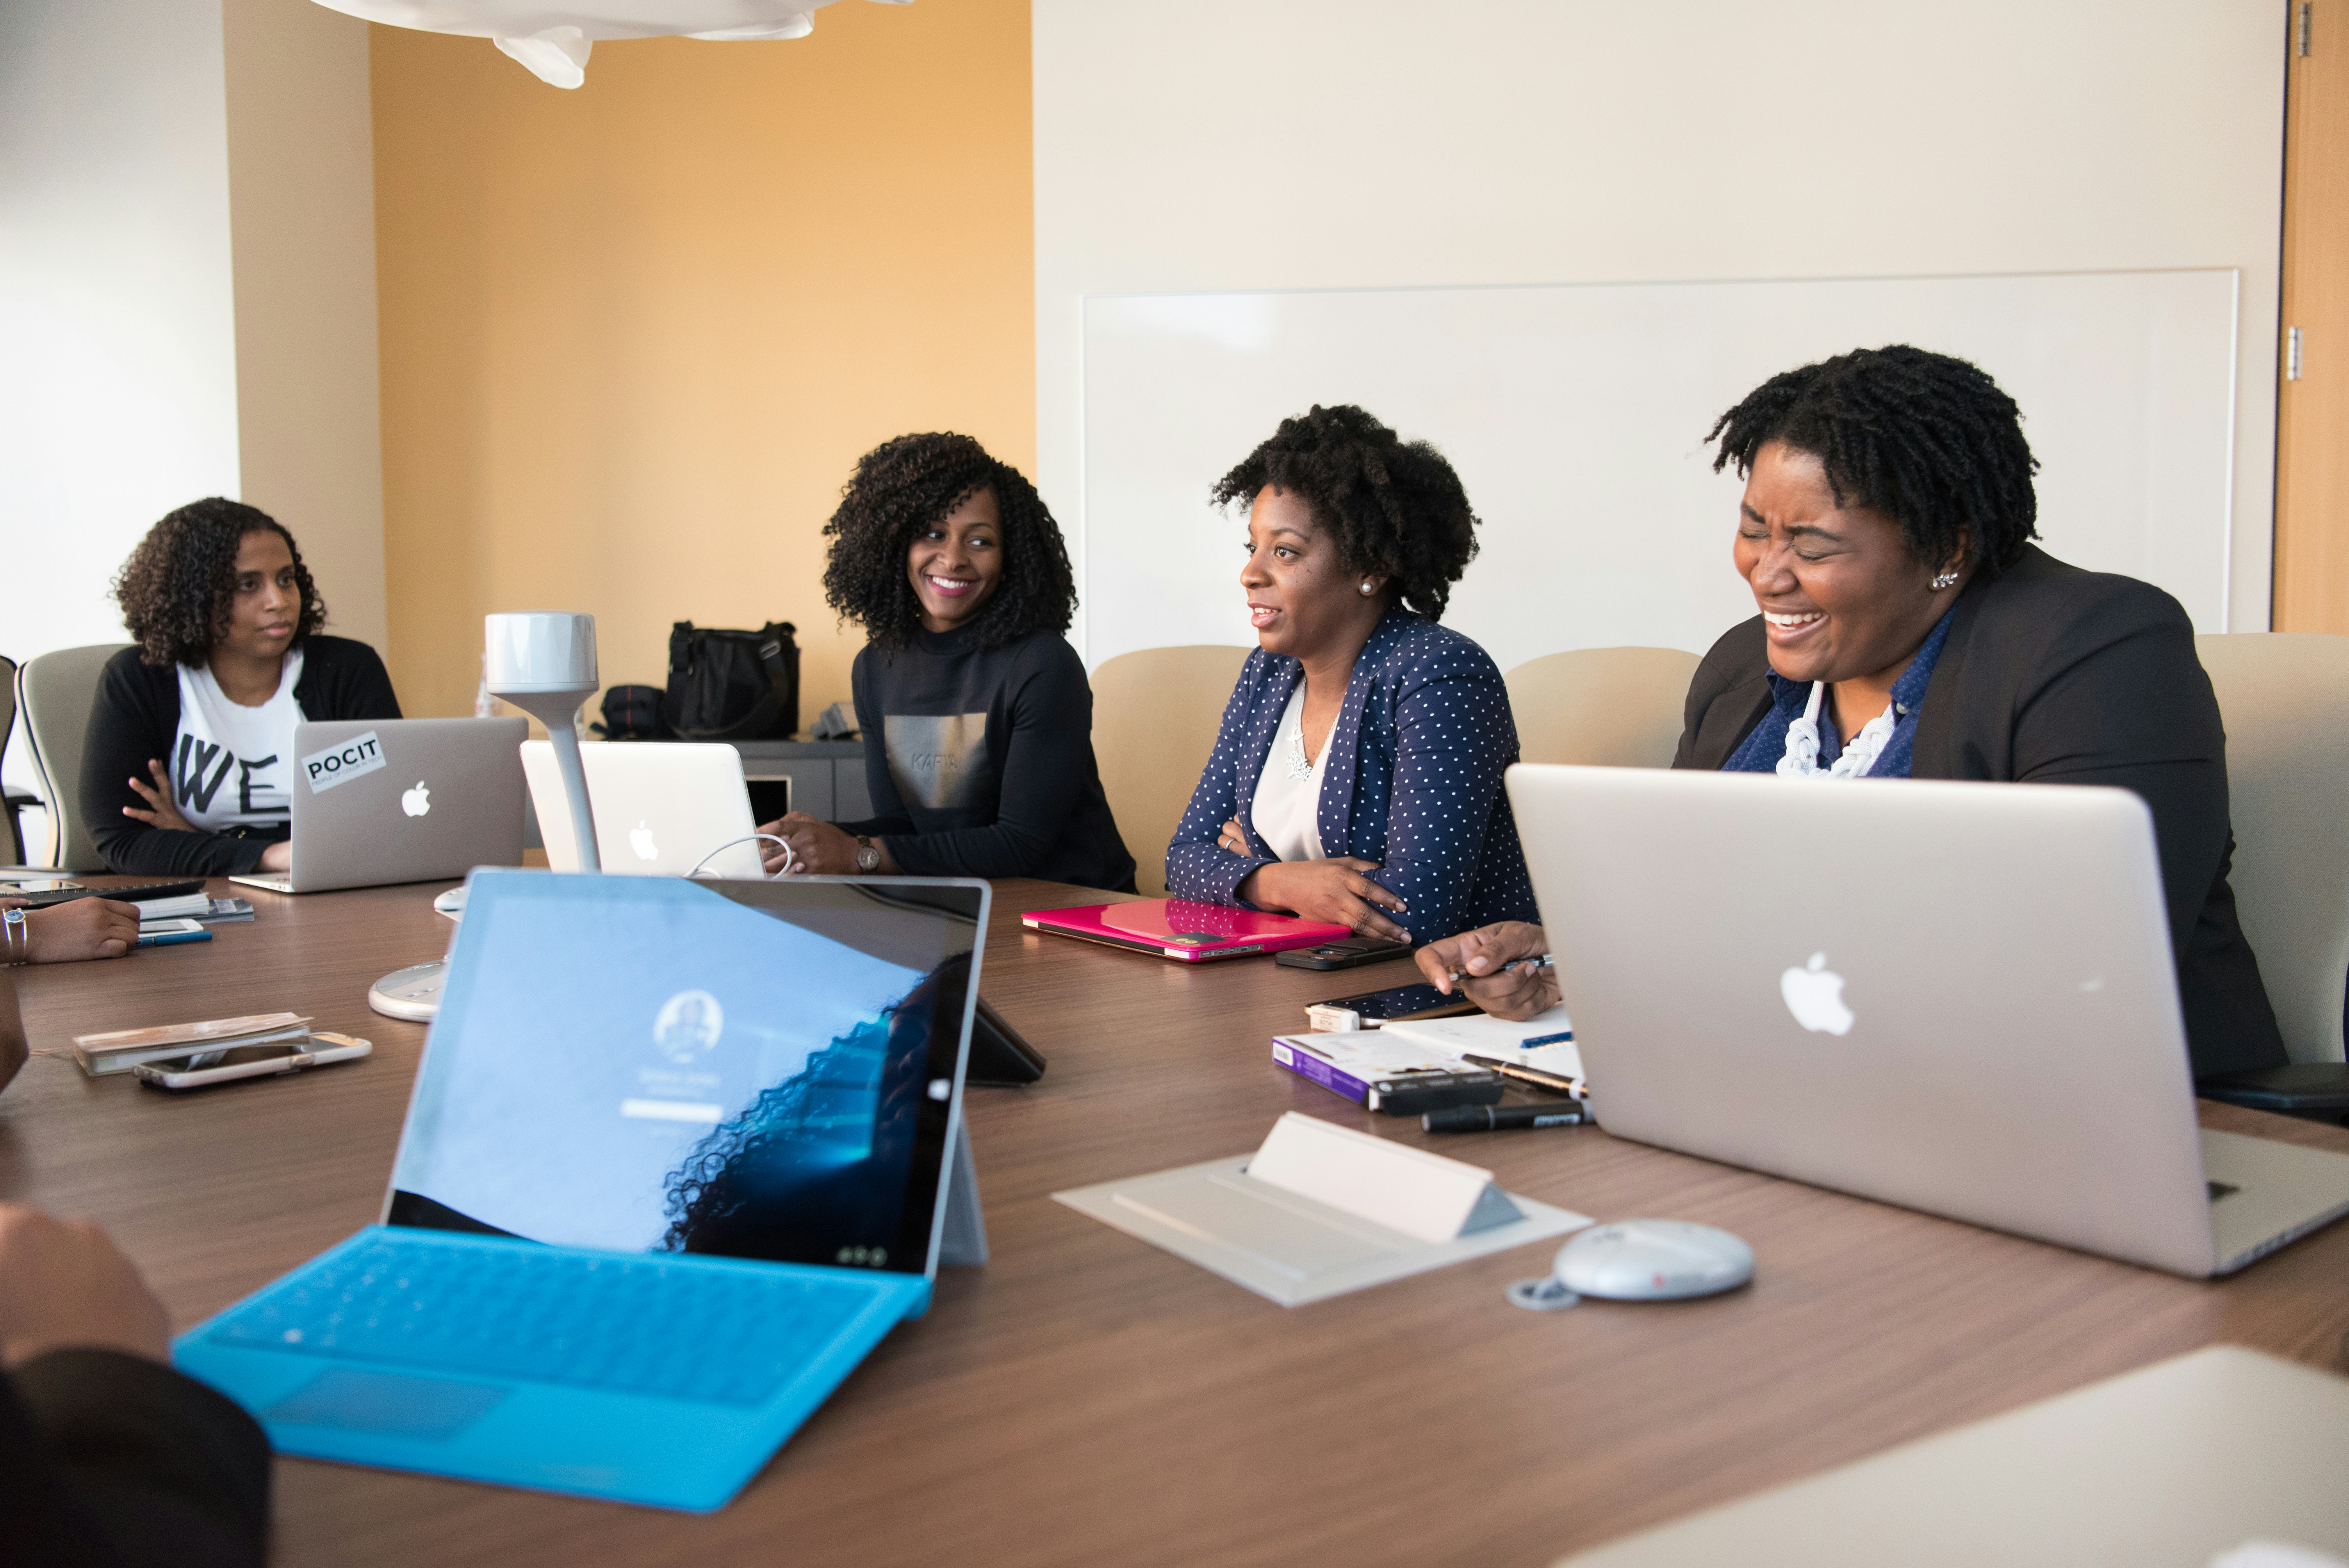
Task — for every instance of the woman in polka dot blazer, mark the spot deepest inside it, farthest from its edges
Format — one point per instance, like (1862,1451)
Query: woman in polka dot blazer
(1357,777)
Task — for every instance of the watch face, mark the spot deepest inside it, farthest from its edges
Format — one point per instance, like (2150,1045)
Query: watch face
(868,858)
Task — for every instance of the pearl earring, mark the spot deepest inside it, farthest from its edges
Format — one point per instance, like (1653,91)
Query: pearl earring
(1366,588)
(1943,581)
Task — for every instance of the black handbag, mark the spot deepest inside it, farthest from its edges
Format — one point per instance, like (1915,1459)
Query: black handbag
(732,686)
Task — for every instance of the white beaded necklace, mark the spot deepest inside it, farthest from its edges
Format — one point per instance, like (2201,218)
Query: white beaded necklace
(1300,766)
(1802,758)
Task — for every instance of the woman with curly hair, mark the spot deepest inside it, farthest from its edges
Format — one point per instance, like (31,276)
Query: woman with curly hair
(1358,775)
(1909,628)
(977,718)
(188,768)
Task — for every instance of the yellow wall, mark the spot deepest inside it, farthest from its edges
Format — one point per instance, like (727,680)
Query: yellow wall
(634,336)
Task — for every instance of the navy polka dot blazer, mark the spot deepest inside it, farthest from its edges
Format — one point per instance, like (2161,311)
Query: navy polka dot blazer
(1412,781)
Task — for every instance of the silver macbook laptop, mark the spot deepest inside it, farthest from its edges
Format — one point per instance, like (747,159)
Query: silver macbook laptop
(1955,997)
(2187,1463)
(662,808)
(380,800)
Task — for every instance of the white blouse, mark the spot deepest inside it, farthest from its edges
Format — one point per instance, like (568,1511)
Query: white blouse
(1285,809)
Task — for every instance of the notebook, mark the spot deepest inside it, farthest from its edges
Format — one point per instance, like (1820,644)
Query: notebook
(680,1154)
(1182,929)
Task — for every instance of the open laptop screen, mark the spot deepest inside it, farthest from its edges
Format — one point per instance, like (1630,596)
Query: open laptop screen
(649,1064)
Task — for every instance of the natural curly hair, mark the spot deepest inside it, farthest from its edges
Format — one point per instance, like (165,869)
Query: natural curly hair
(1927,439)
(178,586)
(1394,507)
(903,486)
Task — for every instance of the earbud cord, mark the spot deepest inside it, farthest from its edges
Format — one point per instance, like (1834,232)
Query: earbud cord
(791,861)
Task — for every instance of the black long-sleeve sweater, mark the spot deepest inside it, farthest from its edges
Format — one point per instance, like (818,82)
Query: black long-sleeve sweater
(136,718)
(980,761)
(110,1461)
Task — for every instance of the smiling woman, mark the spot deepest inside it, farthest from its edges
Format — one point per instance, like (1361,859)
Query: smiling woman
(1910,629)
(977,715)
(187,769)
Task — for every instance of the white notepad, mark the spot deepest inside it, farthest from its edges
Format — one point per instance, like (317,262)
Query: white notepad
(1489,1037)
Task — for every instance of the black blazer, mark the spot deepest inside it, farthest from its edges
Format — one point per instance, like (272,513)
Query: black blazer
(137,714)
(2057,675)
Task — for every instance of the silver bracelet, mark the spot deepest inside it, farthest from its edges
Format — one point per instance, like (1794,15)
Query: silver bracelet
(19,940)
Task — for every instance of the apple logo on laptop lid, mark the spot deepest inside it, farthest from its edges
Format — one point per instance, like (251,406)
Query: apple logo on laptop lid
(640,839)
(1814,994)
(415,801)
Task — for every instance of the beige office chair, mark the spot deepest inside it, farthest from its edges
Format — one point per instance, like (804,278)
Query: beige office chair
(56,691)
(2284,698)
(1605,708)
(11,802)
(1156,713)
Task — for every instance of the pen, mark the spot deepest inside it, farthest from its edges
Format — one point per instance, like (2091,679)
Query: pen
(1544,962)
(1551,1083)
(1493,1118)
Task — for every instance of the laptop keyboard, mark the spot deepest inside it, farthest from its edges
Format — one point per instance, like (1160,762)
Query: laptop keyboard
(622,1325)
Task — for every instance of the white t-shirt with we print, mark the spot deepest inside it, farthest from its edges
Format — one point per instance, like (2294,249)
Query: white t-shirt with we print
(232,766)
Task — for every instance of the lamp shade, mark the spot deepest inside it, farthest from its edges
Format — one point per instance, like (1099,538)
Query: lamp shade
(553,37)
(533,651)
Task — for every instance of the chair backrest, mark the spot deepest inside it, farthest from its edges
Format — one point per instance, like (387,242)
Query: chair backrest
(1156,713)
(1602,707)
(2284,698)
(57,692)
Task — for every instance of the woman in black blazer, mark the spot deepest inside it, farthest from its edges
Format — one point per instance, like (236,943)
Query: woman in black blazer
(187,764)
(1910,629)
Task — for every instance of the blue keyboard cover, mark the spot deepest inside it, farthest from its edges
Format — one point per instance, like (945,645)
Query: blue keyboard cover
(618,1323)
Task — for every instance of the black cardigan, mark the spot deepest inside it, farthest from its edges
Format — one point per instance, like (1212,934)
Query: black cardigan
(2057,675)
(107,1459)
(135,718)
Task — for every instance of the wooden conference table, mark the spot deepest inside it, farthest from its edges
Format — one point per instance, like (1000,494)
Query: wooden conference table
(1086,1399)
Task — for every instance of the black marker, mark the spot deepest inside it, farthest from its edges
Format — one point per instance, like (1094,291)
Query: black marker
(1494,1117)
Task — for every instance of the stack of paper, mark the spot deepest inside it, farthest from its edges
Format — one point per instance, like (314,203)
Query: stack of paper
(1544,1043)
(123,1049)
(182,908)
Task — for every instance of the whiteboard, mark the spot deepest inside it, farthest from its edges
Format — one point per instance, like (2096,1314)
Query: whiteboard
(1576,416)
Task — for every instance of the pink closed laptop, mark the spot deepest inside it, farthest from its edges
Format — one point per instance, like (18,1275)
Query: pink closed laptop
(1180,929)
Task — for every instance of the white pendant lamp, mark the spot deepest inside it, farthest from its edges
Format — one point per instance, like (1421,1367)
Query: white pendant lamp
(553,36)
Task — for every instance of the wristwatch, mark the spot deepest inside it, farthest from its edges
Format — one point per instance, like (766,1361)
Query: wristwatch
(868,855)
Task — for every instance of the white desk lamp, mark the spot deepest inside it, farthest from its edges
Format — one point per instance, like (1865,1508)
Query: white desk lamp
(543,663)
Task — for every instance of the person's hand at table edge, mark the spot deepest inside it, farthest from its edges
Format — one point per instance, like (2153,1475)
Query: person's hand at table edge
(1334,890)
(64,1284)
(77,929)
(1478,958)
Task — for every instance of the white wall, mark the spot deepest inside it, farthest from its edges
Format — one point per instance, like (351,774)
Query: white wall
(1371,143)
(187,296)
(118,333)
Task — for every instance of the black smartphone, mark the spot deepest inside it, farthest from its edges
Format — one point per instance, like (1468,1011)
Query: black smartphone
(1403,1003)
(128,894)
(1351,953)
